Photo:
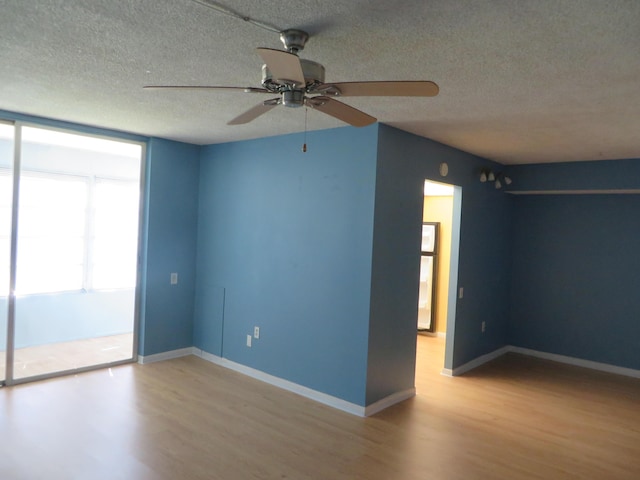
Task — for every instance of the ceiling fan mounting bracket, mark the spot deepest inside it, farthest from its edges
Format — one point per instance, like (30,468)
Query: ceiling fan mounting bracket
(294,40)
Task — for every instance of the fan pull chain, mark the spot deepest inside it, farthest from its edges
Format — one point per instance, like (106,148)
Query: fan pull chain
(304,145)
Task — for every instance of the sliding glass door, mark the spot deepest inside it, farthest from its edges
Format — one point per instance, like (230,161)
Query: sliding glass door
(6,189)
(76,250)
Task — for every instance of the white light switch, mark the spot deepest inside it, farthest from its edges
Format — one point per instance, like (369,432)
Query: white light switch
(174,279)
(248,340)
(461,292)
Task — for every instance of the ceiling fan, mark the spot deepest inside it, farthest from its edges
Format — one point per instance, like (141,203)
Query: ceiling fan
(299,82)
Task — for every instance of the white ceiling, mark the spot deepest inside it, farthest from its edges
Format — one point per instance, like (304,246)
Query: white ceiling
(521,81)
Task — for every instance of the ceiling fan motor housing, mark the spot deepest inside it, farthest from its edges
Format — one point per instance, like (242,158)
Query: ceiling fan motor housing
(293,96)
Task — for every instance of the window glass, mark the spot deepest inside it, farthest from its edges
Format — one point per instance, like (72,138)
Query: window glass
(51,230)
(115,243)
(6,197)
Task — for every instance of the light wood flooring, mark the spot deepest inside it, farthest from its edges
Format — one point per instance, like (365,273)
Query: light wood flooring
(62,356)
(514,418)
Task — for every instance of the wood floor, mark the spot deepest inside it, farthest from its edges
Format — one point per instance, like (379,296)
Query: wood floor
(515,418)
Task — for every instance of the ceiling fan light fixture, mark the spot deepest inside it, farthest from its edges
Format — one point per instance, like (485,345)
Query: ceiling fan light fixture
(293,98)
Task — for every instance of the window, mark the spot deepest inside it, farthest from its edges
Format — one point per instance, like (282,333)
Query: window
(74,233)
(78,213)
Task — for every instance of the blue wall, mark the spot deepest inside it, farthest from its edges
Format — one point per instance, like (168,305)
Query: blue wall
(576,262)
(284,243)
(576,272)
(564,176)
(287,242)
(321,251)
(404,162)
(170,244)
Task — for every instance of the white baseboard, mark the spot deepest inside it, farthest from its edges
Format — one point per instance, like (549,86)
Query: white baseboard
(392,399)
(578,362)
(306,392)
(284,384)
(386,402)
(476,362)
(158,357)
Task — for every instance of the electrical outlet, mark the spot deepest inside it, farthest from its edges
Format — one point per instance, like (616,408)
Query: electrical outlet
(461,292)
(174,279)
(248,340)
(256,332)
(483,326)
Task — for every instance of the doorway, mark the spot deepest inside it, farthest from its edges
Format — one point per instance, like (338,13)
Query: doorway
(69,229)
(441,214)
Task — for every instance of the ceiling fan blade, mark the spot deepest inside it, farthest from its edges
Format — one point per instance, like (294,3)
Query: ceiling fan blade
(383,89)
(341,111)
(284,66)
(205,87)
(255,112)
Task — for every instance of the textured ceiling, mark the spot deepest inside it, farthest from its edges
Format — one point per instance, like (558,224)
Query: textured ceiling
(521,81)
